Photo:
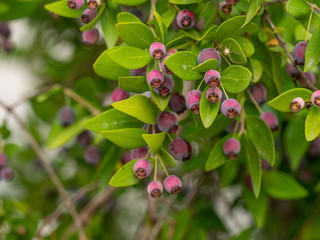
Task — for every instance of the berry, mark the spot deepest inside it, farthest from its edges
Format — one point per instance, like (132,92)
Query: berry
(298,53)
(142,168)
(92,155)
(297,104)
(193,100)
(208,53)
(90,37)
(138,14)
(4,30)
(164,68)
(310,76)
(139,152)
(88,15)
(66,116)
(292,71)
(75,4)
(230,108)
(213,95)
(232,126)
(172,184)
(157,50)
(174,24)
(167,122)
(315,98)
(180,149)
(7,45)
(126,157)
(265,165)
(232,2)
(155,189)
(166,88)
(225,8)
(6,173)
(171,51)
(118,95)
(231,148)
(248,182)
(212,78)
(155,78)
(186,19)
(259,93)
(3,161)
(139,72)
(314,150)
(93,4)
(177,103)
(84,139)
(271,120)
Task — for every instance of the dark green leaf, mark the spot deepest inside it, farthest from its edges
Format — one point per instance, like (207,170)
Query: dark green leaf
(162,102)
(254,7)
(166,158)
(208,110)
(232,50)
(129,2)
(108,21)
(207,65)
(298,8)
(217,157)
(182,2)
(245,45)
(136,84)
(236,78)
(178,41)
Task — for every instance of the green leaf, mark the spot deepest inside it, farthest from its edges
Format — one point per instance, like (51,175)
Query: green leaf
(159,26)
(110,120)
(61,8)
(254,7)
(185,2)
(217,157)
(181,64)
(209,34)
(106,68)
(236,78)
(162,102)
(245,45)
(254,164)
(135,34)
(130,57)
(282,186)
(235,54)
(208,110)
(245,235)
(207,65)
(298,8)
(154,141)
(312,55)
(256,69)
(181,40)
(136,84)
(129,2)
(312,124)
(45,96)
(229,173)
(166,158)
(168,16)
(126,137)
(261,136)
(282,102)
(108,21)
(15,9)
(191,33)
(95,20)
(124,17)
(139,107)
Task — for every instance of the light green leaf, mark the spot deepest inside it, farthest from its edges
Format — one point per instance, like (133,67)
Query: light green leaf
(236,78)
(93,23)
(126,137)
(124,17)
(178,41)
(129,2)
(208,110)
(61,8)
(154,141)
(209,34)
(245,45)
(298,8)
(207,65)
(235,54)
(256,69)
(136,84)
(108,21)
(254,7)
(168,16)
(160,27)
(312,124)
(217,157)
(162,102)
(312,55)
(166,158)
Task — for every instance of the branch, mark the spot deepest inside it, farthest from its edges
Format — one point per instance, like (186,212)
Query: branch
(314,6)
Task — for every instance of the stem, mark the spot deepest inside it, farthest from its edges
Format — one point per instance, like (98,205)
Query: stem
(164,168)
(200,84)
(254,102)
(224,90)
(170,137)
(243,114)
(235,129)
(314,6)
(225,59)
(155,168)
(147,153)
(148,127)
(175,7)
(308,28)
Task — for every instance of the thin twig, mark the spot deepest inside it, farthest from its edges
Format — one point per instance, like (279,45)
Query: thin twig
(314,6)
(254,102)
(309,22)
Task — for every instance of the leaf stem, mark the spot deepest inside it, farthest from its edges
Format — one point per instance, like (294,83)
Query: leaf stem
(155,167)
(235,128)
(200,84)
(147,153)
(164,168)
(308,28)
(226,59)
(169,137)
(224,90)
(254,102)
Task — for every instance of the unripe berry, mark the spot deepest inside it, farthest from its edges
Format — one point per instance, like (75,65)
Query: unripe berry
(231,148)
(259,93)
(180,149)
(75,4)
(315,98)
(298,53)
(155,189)
(157,50)
(155,78)
(225,8)
(66,116)
(139,72)
(3,161)
(166,88)
(310,76)
(186,19)
(93,4)
(292,71)
(139,152)
(142,168)
(92,155)
(193,100)
(4,30)
(232,2)
(6,173)
(177,103)
(88,15)
(230,108)
(214,95)
(172,184)
(90,37)
(208,53)
(167,122)
(126,157)
(118,95)
(297,104)
(271,120)
(84,139)
(164,68)
(212,78)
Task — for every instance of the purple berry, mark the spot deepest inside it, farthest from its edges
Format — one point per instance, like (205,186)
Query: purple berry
(248,182)
(166,88)
(259,93)
(157,50)
(90,37)
(126,157)
(4,30)
(232,2)
(6,173)
(315,98)
(180,149)
(139,152)
(155,189)
(212,78)
(310,76)
(298,53)
(265,165)
(297,104)
(231,148)
(214,95)
(88,15)
(292,71)
(92,155)
(209,53)
(186,19)
(172,184)
(271,120)
(75,4)
(139,72)
(3,161)
(93,4)
(155,78)
(193,100)
(84,139)
(174,24)
(142,168)
(230,108)
(225,8)
(167,122)
(164,67)
(177,103)
(66,116)
(118,95)
(171,51)
(7,45)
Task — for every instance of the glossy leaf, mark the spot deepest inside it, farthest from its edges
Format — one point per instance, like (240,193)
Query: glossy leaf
(254,7)
(124,17)
(94,21)
(126,137)
(236,78)
(136,84)
(108,21)
(162,102)
(312,125)
(233,52)
(207,65)
(208,110)
(160,27)
(312,55)
(181,40)
(256,69)
(217,157)
(245,45)
(61,8)
(182,2)
(166,158)
(154,141)
(129,2)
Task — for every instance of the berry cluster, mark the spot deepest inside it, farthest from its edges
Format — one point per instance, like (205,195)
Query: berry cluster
(6,173)
(5,41)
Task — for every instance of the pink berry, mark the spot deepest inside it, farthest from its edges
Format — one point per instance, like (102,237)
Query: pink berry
(167,122)
(6,173)
(157,50)
(166,88)
(7,45)
(171,51)
(230,108)
(232,2)
(297,104)
(155,189)
(310,76)
(4,29)
(93,4)
(186,19)
(67,116)
(3,161)
(92,155)
(118,95)
(259,93)
(315,98)
(225,8)
(193,100)
(172,184)
(139,72)
(180,149)
(90,37)
(298,53)
(75,4)
(142,168)
(214,95)
(212,78)
(271,120)
(177,103)
(88,15)
(231,148)
(139,152)
(292,71)
(155,78)
(208,53)
(164,67)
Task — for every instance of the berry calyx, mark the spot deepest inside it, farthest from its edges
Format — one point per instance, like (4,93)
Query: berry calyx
(142,168)
(213,95)
(225,8)
(212,78)
(157,50)
(166,88)
(75,4)
(230,108)
(186,19)
(155,189)
(155,78)
(172,184)
(88,15)
(164,67)
(193,100)
(231,148)
(297,104)
(167,122)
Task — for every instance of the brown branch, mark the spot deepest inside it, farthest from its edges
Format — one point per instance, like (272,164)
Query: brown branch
(314,6)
